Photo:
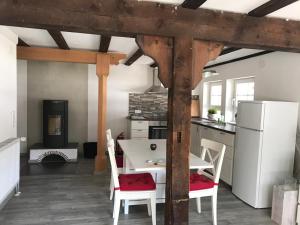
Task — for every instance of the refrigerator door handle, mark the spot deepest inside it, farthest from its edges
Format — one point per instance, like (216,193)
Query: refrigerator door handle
(249,129)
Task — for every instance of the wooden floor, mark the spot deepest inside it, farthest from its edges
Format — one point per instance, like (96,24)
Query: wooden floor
(83,199)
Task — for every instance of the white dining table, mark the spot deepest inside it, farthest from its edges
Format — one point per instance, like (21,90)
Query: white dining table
(138,157)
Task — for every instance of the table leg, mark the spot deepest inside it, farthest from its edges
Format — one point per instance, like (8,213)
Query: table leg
(126,170)
(126,166)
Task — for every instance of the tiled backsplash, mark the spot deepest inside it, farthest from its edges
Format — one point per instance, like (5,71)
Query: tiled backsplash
(151,105)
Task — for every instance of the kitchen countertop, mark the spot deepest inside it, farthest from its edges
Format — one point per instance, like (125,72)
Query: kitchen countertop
(228,128)
(149,119)
(5,144)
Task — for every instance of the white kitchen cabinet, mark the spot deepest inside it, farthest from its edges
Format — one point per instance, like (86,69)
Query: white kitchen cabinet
(138,129)
(195,139)
(224,138)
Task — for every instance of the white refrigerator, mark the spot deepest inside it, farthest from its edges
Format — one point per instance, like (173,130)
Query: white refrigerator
(264,149)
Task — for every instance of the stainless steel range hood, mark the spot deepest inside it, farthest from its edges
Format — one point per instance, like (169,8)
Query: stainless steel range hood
(157,86)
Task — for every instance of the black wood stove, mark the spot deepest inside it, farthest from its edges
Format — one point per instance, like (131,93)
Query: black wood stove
(55,123)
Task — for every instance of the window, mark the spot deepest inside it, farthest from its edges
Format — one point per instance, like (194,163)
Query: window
(212,97)
(216,95)
(243,89)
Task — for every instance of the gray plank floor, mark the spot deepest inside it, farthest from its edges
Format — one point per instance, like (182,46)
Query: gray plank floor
(83,199)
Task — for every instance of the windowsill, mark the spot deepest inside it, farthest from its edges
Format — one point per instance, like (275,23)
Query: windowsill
(232,123)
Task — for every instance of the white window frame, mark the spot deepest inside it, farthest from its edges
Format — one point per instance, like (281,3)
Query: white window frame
(211,84)
(234,95)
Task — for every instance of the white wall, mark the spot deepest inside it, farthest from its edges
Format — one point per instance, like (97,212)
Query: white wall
(8,84)
(22,102)
(63,81)
(277,77)
(122,80)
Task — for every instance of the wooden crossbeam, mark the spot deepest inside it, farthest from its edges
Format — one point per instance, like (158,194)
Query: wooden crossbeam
(129,18)
(134,57)
(229,50)
(59,55)
(22,43)
(269,7)
(193,4)
(104,43)
(59,39)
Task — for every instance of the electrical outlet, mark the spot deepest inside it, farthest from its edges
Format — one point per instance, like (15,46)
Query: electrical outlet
(137,111)
(23,139)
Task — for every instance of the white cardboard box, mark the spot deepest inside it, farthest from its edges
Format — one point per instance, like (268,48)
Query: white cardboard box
(284,204)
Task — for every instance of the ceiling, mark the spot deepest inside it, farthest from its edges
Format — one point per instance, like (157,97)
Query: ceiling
(41,38)
(244,6)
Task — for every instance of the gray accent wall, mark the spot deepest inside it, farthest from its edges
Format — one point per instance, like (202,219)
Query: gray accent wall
(53,80)
(150,104)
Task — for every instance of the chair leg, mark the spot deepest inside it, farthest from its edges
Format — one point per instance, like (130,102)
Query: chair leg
(111,188)
(153,208)
(198,202)
(126,207)
(149,207)
(116,208)
(214,208)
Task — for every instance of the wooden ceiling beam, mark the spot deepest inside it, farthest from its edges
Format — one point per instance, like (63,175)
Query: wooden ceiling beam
(269,7)
(153,65)
(22,43)
(129,18)
(104,43)
(59,55)
(59,39)
(193,4)
(139,53)
(229,50)
(239,59)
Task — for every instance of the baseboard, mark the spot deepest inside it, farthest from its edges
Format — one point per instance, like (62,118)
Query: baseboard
(8,197)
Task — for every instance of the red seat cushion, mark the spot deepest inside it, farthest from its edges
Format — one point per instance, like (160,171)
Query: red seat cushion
(136,182)
(119,161)
(200,182)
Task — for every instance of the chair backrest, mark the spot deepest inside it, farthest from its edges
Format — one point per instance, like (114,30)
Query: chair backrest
(213,152)
(108,135)
(112,159)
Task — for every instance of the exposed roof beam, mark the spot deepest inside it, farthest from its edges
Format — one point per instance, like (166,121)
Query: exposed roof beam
(239,59)
(59,39)
(192,4)
(229,50)
(104,43)
(134,57)
(269,7)
(129,18)
(22,43)
(153,65)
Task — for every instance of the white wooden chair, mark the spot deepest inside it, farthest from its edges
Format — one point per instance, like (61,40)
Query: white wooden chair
(131,187)
(203,184)
(120,169)
(111,186)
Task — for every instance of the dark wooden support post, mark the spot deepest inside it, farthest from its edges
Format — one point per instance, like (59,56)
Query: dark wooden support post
(180,63)
(178,144)
(102,71)
(188,61)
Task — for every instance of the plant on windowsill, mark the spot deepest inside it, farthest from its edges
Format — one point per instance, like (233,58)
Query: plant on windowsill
(212,114)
